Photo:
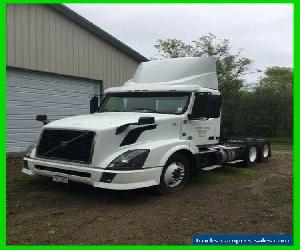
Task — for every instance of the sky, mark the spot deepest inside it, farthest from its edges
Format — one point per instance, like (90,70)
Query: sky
(264,32)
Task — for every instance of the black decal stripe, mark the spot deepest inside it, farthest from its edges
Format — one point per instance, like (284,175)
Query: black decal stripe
(135,133)
(122,128)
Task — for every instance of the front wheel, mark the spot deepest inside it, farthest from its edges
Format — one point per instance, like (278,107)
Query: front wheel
(175,175)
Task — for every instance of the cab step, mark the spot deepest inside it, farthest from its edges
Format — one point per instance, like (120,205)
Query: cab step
(211,167)
(233,162)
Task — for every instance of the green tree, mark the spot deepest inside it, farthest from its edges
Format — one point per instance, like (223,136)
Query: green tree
(230,69)
(275,99)
(173,48)
(267,109)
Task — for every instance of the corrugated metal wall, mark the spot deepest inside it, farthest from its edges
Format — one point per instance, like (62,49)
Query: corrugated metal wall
(30,93)
(40,38)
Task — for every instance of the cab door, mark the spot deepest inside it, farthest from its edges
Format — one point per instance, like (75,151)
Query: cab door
(203,124)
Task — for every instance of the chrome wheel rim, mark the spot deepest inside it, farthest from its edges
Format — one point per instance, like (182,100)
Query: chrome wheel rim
(252,154)
(174,174)
(266,150)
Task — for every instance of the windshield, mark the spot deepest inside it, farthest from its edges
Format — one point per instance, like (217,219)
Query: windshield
(146,102)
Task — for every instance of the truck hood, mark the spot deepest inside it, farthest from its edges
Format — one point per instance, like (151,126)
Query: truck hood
(109,144)
(104,121)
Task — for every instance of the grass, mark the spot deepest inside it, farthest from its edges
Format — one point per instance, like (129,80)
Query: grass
(281,143)
(281,140)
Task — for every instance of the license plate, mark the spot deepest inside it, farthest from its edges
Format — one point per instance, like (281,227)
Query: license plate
(62,179)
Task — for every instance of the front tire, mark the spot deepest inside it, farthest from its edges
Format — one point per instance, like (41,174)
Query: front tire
(175,175)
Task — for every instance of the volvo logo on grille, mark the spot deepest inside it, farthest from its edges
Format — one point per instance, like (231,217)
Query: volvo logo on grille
(64,143)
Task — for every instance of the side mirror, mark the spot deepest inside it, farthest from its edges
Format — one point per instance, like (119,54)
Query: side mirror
(94,104)
(42,118)
(146,120)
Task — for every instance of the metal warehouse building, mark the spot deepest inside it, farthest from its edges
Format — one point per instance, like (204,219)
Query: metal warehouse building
(56,61)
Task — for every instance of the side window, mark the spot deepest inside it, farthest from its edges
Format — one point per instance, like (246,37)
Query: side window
(206,106)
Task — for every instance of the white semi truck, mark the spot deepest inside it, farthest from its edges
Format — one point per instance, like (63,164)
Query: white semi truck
(155,130)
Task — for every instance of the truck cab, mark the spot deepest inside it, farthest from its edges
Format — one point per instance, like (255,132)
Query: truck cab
(156,130)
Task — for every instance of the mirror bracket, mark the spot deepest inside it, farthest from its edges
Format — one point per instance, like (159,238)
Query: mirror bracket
(43,119)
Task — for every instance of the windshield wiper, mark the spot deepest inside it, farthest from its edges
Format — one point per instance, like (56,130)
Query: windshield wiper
(112,110)
(146,109)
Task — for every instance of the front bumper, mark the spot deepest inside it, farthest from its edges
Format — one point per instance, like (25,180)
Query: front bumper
(101,178)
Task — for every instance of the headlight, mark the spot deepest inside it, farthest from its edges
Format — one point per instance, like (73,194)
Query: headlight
(132,159)
(30,149)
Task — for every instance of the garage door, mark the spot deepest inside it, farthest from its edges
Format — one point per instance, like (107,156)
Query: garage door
(29,93)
